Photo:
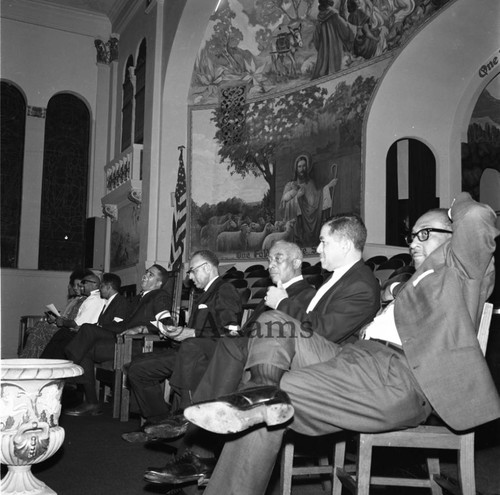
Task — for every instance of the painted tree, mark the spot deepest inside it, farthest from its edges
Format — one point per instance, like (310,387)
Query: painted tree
(269,124)
(225,40)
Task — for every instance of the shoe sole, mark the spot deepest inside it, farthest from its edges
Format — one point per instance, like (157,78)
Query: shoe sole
(221,417)
(138,438)
(172,480)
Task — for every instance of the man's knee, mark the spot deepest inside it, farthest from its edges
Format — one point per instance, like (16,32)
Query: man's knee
(275,324)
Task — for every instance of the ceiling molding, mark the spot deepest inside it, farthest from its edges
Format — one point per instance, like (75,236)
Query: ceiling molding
(58,17)
(122,16)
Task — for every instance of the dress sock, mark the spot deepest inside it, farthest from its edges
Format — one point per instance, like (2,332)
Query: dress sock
(265,374)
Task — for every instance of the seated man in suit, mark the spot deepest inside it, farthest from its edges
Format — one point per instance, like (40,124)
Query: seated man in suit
(89,312)
(346,301)
(420,354)
(96,343)
(222,373)
(217,310)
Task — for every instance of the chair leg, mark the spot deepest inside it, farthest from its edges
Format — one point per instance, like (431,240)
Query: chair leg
(466,465)
(364,464)
(433,469)
(117,393)
(338,462)
(286,467)
(124,399)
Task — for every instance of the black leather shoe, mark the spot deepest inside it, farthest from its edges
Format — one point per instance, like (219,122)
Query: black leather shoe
(237,412)
(187,468)
(172,427)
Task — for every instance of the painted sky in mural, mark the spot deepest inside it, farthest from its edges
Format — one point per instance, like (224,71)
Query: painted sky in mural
(273,45)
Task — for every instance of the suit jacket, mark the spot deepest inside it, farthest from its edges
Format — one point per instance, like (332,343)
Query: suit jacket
(437,314)
(144,310)
(300,293)
(215,309)
(347,306)
(119,307)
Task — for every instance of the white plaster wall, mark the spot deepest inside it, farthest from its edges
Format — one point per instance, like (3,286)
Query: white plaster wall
(428,93)
(44,51)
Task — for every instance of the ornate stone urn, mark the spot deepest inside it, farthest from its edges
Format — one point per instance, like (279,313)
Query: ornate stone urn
(30,405)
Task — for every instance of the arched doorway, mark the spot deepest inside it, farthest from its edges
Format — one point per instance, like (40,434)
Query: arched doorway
(410,186)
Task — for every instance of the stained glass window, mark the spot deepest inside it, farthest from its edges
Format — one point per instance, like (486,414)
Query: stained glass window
(64,184)
(13,121)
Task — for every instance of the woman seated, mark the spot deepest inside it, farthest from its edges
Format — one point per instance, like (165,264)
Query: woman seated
(40,334)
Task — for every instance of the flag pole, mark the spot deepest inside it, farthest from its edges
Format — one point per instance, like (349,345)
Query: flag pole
(179,222)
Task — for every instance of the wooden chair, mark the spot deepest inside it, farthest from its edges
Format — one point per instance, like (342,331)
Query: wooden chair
(357,478)
(126,343)
(377,260)
(108,375)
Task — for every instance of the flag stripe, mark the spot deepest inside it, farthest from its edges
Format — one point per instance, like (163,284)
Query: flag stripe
(179,218)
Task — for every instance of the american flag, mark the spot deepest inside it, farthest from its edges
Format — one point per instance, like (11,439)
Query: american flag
(179,219)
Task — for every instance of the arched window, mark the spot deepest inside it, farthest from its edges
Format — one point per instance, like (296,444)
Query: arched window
(13,121)
(140,92)
(128,104)
(64,184)
(411,187)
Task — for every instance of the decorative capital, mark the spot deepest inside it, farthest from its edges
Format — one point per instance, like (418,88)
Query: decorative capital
(135,196)
(110,211)
(107,52)
(38,112)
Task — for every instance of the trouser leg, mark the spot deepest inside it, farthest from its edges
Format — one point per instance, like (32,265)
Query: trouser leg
(146,373)
(192,361)
(225,369)
(55,349)
(365,387)
(281,345)
(246,463)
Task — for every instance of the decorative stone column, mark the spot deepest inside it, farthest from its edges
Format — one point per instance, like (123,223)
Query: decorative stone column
(30,406)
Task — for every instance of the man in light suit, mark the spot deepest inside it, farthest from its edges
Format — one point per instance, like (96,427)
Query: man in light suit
(96,343)
(420,354)
(217,310)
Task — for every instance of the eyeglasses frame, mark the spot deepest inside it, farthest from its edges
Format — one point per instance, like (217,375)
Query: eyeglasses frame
(409,238)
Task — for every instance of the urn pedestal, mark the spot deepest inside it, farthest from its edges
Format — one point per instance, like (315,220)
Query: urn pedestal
(30,406)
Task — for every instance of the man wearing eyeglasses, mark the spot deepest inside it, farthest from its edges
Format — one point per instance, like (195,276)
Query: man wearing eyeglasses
(420,354)
(217,311)
(92,306)
(96,344)
(430,231)
(88,313)
(293,333)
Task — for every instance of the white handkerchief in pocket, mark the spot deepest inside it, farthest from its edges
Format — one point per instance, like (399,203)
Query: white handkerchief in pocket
(117,319)
(202,306)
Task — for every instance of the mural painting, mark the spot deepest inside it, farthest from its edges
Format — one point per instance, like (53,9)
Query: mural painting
(296,162)
(272,45)
(278,97)
(482,149)
(125,238)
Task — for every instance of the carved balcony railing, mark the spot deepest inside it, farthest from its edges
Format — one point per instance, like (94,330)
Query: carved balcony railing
(123,176)
(125,167)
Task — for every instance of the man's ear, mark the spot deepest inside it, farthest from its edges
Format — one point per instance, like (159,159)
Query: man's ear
(296,263)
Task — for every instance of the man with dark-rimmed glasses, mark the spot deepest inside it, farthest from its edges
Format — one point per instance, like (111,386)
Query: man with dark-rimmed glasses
(421,354)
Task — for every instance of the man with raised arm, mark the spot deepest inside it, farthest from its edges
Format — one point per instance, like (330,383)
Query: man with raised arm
(420,354)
